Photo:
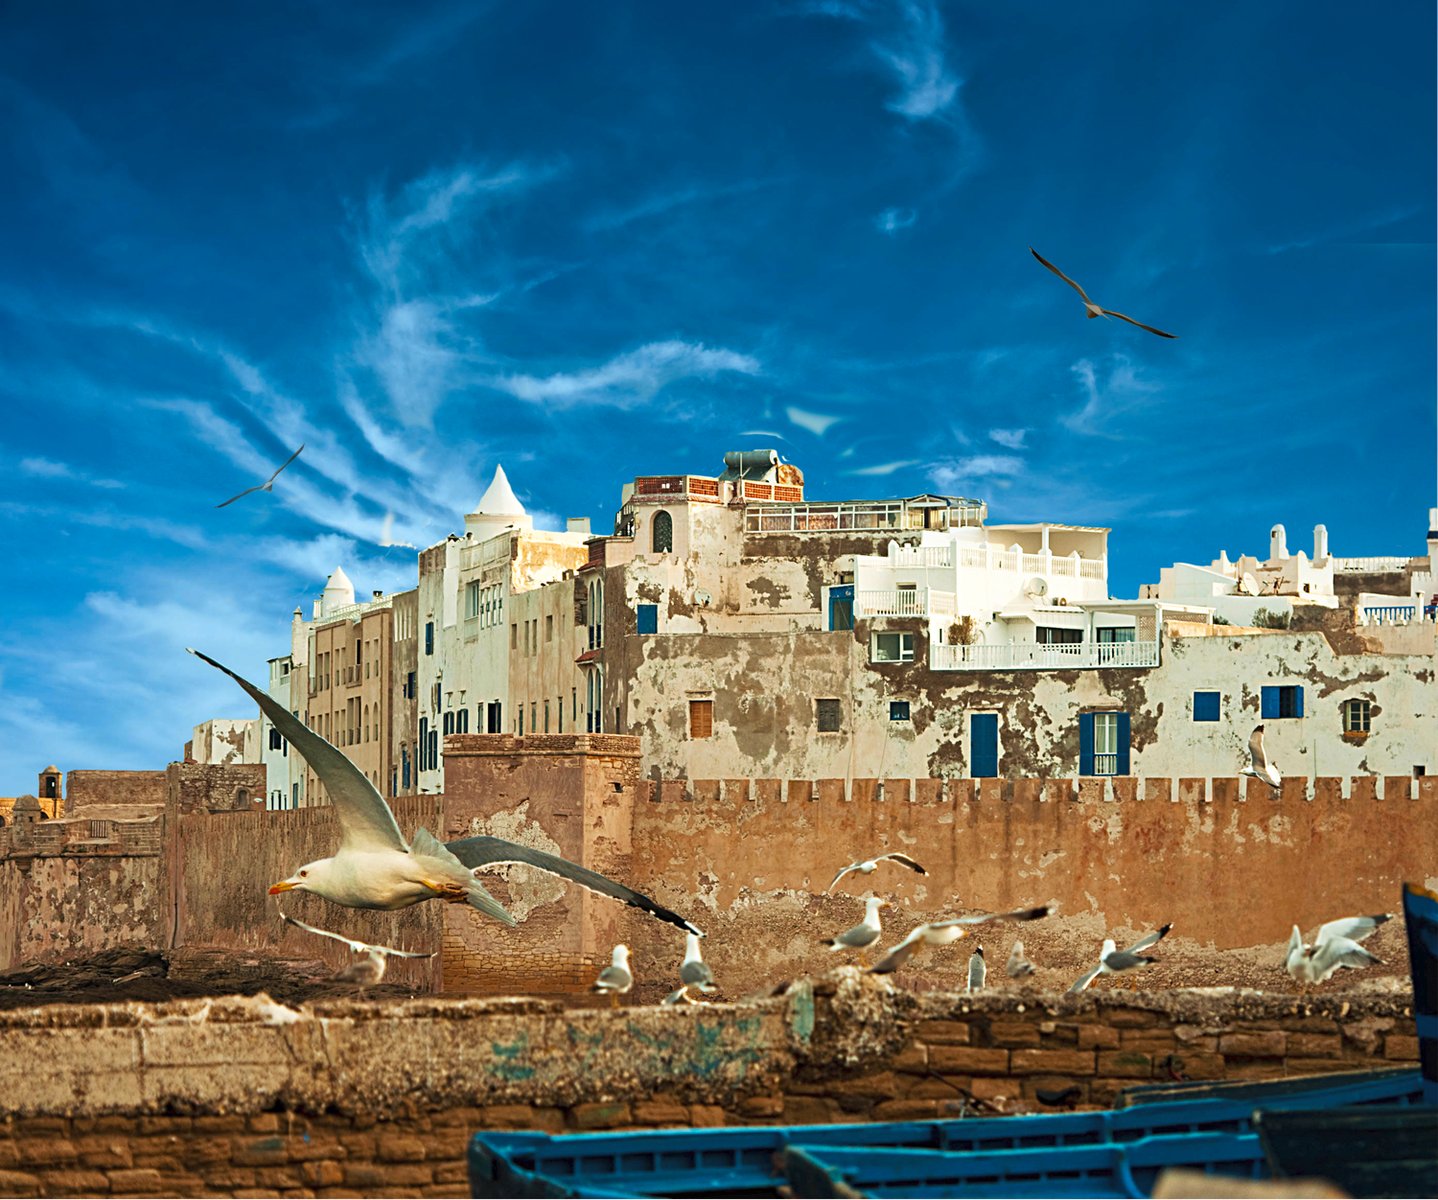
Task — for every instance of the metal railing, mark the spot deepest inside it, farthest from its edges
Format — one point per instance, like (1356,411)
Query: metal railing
(1012,656)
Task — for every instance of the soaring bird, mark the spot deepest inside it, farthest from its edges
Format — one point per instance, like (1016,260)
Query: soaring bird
(865,933)
(694,971)
(269,484)
(1335,946)
(978,969)
(367,971)
(374,868)
(1018,967)
(869,865)
(1093,309)
(615,980)
(1259,765)
(1113,961)
(941,933)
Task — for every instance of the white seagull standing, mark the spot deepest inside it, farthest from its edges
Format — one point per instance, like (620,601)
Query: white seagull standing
(368,970)
(865,933)
(869,865)
(1018,967)
(694,971)
(1113,961)
(269,484)
(1259,765)
(616,979)
(1335,946)
(1092,309)
(978,969)
(942,933)
(375,869)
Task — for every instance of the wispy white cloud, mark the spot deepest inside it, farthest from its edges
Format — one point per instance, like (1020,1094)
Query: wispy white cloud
(816,423)
(1013,439)
(49,468)
(1107,399)
(1350,229)
(915,56)
(887,468)
(892,220)
(667,201)
(629,378)
(963,472)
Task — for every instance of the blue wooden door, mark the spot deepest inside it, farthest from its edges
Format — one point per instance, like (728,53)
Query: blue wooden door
(984,745)
(841,607)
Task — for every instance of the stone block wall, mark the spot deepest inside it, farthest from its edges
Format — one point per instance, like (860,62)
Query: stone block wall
(84,789)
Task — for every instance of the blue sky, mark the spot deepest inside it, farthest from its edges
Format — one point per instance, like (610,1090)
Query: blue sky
(594,241)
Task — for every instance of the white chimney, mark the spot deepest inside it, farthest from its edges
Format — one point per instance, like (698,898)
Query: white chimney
(576,525)
(1277,544)
(1320,543)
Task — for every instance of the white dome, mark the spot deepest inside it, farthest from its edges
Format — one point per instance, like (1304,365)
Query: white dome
(339,592)
(499,499)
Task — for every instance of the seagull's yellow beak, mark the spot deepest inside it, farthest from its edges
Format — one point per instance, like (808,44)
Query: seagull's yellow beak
(284,885)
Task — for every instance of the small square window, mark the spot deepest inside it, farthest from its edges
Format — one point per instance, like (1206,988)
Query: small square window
(898,710)
(1284,701)
(701,718)
(1357,715)
(1206,705)
(830,715)
(892,647)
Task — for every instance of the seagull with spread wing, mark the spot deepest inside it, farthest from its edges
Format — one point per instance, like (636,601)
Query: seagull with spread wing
(1336,946)
(1113,961)
(368,970)
(1259,765)
(1093,309)
(942,933)
(868,866)
(269,484)
(374,866)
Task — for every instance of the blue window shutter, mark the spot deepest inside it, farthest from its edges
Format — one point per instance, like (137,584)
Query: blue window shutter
(1268,704)
(1085,743)
(984,745)
(1122,768)
(1298,701)
(647,618)
(1206,706)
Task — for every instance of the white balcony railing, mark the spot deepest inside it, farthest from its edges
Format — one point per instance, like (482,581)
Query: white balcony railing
(922,556)
(1382,564)
(904,602)
(1023,656)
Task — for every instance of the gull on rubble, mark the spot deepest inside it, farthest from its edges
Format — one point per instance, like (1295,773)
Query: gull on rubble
(616,979)
(1259,765)
(1335,946)
(1018,967)
(374,867)
(868,866)
(367,971)
(1092,309)
(679,996)
(694,971)
(268,485)
(978,969)
(865,933)
(1113,961)
(942,933)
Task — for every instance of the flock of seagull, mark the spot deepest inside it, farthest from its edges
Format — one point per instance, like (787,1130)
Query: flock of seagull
(374,867)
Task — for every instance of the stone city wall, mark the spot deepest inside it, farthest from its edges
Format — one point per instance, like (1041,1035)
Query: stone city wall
(243,1097)
(84,789)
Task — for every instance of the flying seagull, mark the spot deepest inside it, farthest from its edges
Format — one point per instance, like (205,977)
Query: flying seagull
(870,865)
(978,969)
(1335,946)
(616,978)
(1095,310)
(941,933)
(694,971)
(1018,967)
(865,933)
(365,818)
(1113,961)
(269,484)
(368,970)
(1258,764)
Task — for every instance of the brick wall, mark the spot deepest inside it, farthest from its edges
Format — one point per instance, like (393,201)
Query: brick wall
(357,1099)
(88,788)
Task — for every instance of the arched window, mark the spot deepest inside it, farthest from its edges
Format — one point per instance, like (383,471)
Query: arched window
(662,533)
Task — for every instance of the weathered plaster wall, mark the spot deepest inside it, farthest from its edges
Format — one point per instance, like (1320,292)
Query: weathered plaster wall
(234,1097)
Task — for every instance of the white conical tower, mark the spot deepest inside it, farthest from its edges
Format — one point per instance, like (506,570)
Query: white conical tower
(339,593)
(499,508)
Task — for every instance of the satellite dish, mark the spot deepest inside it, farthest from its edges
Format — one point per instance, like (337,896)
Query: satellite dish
(1036,587)
(1248,585)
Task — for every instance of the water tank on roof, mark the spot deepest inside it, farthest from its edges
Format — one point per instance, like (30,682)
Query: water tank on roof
(750,464)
